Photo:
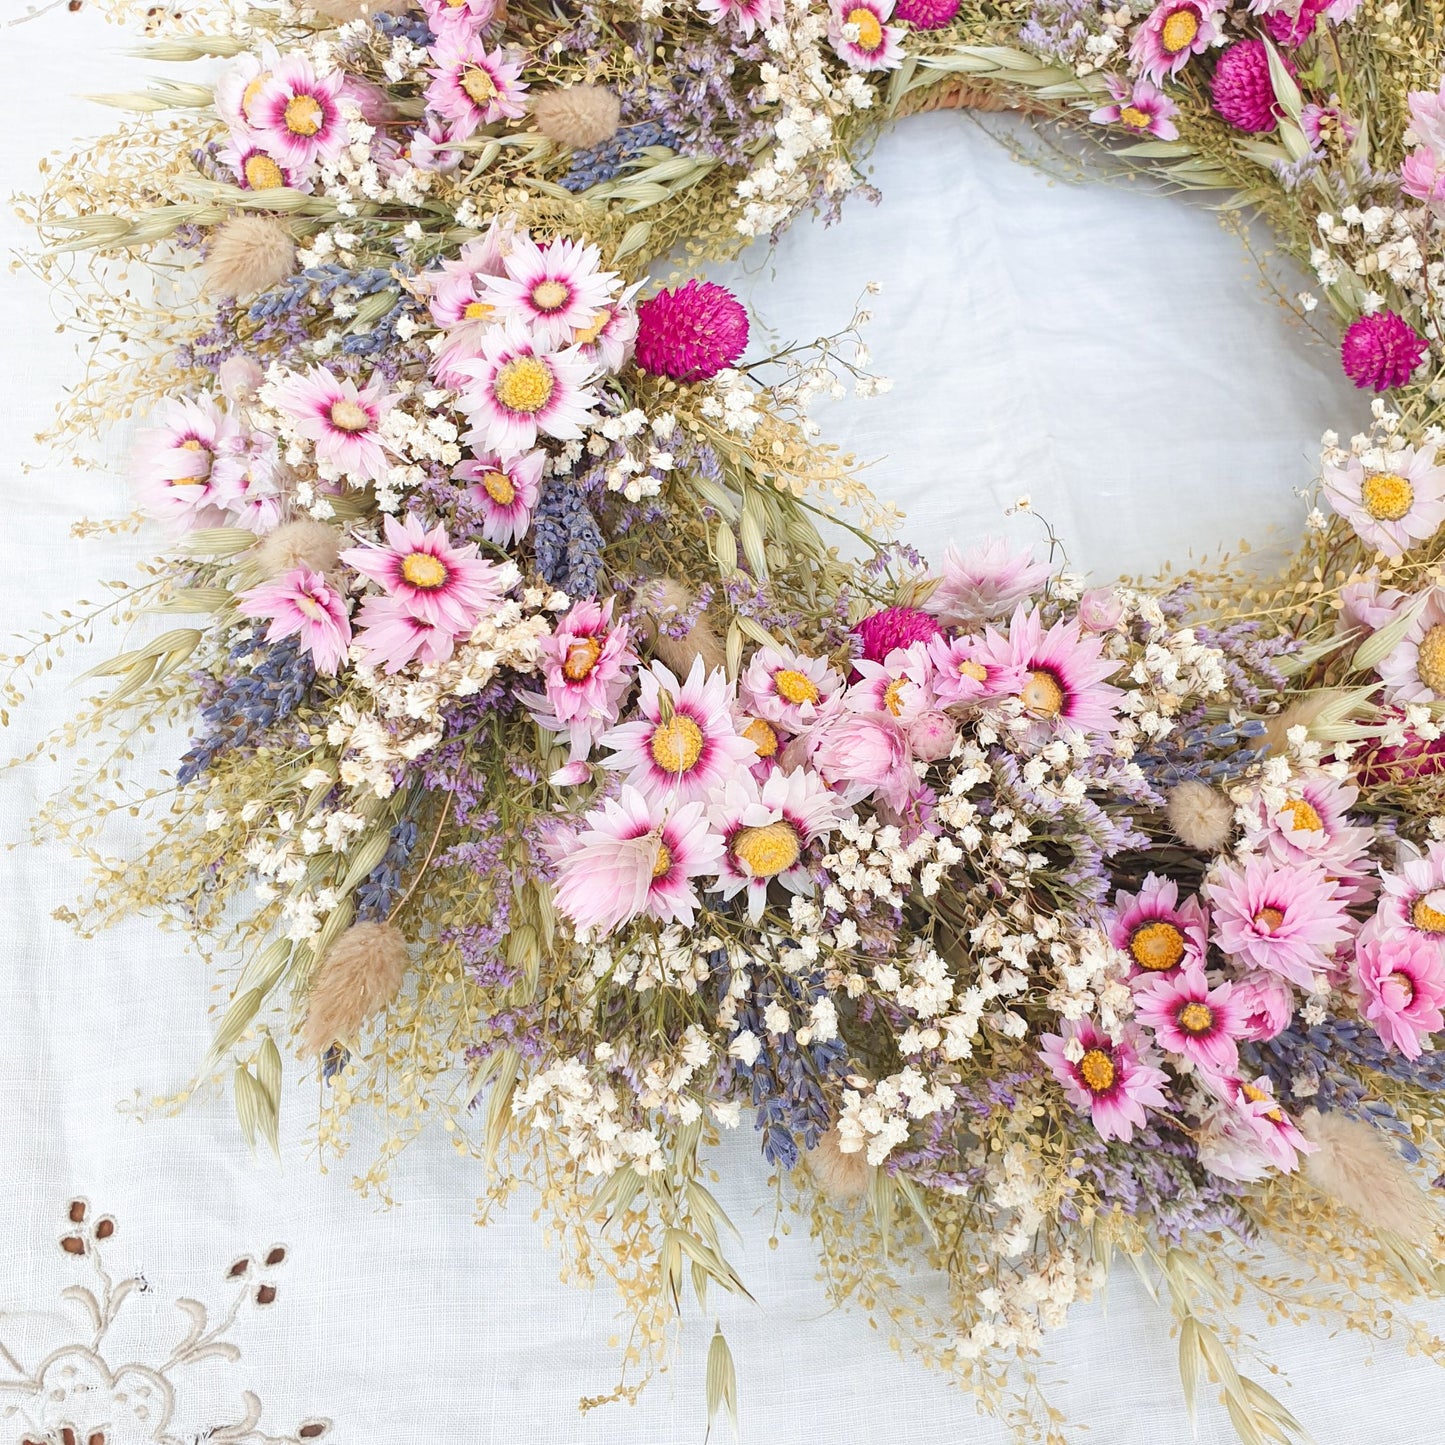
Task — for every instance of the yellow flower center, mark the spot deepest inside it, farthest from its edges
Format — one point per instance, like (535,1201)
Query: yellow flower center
(794,686)
(423,570)
(1133,117)
(1387,497)
(524,385)
(1156,946)
(1179,31)
(664,859)
(1430,661)
(1269,918)
(763,737)
(976,670)
(479,86)
(677,744)
(263,174)
(1258,1096)
(586,335)
(1302,815)
(870,32)
(1097,1070)
(498,486)
(550,295)
(1042,696)
(1195,1017)
(349,416)
(303,115)
(766,852)
(893,695)
(581,658)
(476,310)
(252,92)
(1427,912)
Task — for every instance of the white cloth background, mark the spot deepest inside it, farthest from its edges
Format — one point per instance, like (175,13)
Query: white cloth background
(1108,352)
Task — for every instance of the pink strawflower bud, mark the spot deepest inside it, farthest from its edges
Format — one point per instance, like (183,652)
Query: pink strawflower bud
(926,14)
(1292,30)
(931,735)
(1381,351)
(892,628)
(692,333)
(1243,92)
(1100,609)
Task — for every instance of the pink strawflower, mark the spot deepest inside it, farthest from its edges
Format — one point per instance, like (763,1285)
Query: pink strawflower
(1259,1126)
(1292,31)
(390,635)
(555,291)
(1327,127)
(342,420)
(964,674)
(297,114)
(767,828)
(1100,609)
(1141,108)
(1266,1005)
(1192,1019)
(504,492)
(1287,919)
(695,748)
(1113,1079)
(899,686)
(787,688)
(926,14)
(1401,977)
(436,145)
(607,341)
(692,333)
(238,87)
(1381,351)
(858,32)
(473,15)
(1393,506)
(1422,175)
(636,856)
(864,755)
(1415,669)
(586,667)
(442,585)
(931,735)
(893,628)
(1365,604)
(1172,32)
(747,17)
(983,583)
(1157,932)
(1065,672)
(472,86)
(1313,826)
(303,603)
(1427,117)
(257,170)
(174,463)
(1242,89)
(1412,897)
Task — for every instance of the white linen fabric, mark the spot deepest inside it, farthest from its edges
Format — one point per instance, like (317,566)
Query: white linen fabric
(1108,353)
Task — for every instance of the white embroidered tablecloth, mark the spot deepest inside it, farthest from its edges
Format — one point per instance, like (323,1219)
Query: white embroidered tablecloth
(1112,354)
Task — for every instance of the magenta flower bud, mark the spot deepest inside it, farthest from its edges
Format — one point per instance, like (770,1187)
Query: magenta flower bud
(692,333)
(926,14)
(893,628)
(1242,89)
(1381,351)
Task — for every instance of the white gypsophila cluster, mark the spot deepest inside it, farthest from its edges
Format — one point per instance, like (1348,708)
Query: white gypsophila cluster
(647,458)
(418,429)
(585,1111)
(280,858)
(1381,448)
(1356,248)
(872,862)
(877,1116)
(671,958)
(815,1023)
(1173,670)
(730,400)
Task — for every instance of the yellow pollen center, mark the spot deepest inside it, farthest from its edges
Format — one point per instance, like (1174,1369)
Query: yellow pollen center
(1179,31)
(586,335)
(794,686)
(423,570)
(1196,1018)
(761,735)
(893,694)
(1387,497)
(1302,815)
(1425,915)
(677,744)
(1097,1070)
(581,658)
(766,852)
(479,86)
(870,32)
(191,444)
(1258,1096)
(1430,661)
(1042,696)
(349,416)
(263,174)
(524,385)
(498,486)
(303,115)
(976,670)
(664,859)
(476,310)
(1269,918)
(1133,117)
(550,295)
(1156,946)
(252,92)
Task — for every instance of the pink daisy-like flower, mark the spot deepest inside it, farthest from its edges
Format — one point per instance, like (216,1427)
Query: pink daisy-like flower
(858,32)
(174,463)
(516,391)
(747,17)
(1381,351)
(342,420)
(692,749)
(586,667)
(435,145)
(881,633)
(608,340)
(1192,1019)
(635,857)
(692,333)
(1327,127)
(899,686)
(1392,508)
(1157,932)
(255,170)
(304,604)
(504,492)
(964,675)
(1412,897)
(766,829)
(1365,604)
(1422,175)
(238,87)
(1173,31)
(1255,1110)
(1314,826)
(1141,108)
(471,85)
(766,738)
(864,755)
(1242,89)
(926,14)
(297,114)
(1115,1080)
(1266,1005)
(444,586)
(1065,672)
(787,688)
(246,475)
(554,291)
(470,14)
(985,582)
(390,635)
(1415,670)
(1284,918)
(1427,117)
(1401,978)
